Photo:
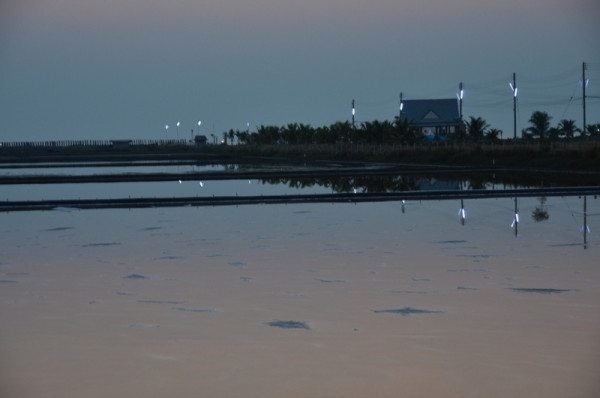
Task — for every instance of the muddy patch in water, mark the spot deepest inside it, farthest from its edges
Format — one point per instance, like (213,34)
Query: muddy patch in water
(408,291)
(159,302)
(288,324)
(58,229)
(169,258)
(540,290)
(135,277)
(330,280)
(196,310)
(406,311)
(102,244)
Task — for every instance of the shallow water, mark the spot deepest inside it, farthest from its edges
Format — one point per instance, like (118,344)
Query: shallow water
(84,171)
(165,189)
(182,300)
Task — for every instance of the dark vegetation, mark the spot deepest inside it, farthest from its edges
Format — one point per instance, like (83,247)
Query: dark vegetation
(564,146)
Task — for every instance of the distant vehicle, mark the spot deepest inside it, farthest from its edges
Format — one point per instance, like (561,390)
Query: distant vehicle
(200,140)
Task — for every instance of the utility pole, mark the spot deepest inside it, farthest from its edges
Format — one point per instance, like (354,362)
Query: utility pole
(585,226)
(516,220)
(460,100)
(515,90)
(401,107)
(353,113)
(584,83)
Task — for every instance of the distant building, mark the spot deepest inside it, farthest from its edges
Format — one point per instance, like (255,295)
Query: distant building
(120,143)
(200,140)
(434,117)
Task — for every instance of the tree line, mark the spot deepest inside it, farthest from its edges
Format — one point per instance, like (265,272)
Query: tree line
(400,132)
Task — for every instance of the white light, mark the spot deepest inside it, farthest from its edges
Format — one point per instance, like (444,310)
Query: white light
(517,217)
(587,82)
(354,190)
(516,91)
(462,92)
(178,124)
(511,86)
(199,123)
(166,126)
(353,111)
(401,106)
(201,184)
(180,181)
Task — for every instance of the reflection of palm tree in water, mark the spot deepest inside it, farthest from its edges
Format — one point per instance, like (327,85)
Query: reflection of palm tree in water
(540,213)
(350,184)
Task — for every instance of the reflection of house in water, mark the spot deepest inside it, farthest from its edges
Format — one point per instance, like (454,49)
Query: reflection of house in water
(432,184)
(434,117)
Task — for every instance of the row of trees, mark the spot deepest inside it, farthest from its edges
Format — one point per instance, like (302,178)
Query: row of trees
(566,129)
(374,132)
(475,129)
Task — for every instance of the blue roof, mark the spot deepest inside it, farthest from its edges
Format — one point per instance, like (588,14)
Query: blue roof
(431,112)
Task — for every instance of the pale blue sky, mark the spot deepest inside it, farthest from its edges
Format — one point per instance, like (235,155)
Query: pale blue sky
(124,68)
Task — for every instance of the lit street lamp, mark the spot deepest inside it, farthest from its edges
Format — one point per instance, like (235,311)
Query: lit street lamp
(178,124)
(166,130)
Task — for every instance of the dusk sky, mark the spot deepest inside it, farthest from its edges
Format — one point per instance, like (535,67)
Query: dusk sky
(77,69)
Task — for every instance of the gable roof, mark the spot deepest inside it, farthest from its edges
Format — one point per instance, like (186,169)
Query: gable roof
(431,112)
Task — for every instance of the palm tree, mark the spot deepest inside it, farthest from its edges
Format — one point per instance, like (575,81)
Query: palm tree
(290,134)
(268,135)
(540,124)
(493,134)
(567,128)
(405,132)
(306,133)
(242,137)
(476,128)
(342,131)
(591,130)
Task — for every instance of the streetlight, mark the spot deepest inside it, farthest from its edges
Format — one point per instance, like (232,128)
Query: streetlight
(166,130)
(460,95)
(515,91)
(178,124)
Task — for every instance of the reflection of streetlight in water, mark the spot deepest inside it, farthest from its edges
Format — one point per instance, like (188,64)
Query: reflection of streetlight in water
(515,223)
(462,213)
